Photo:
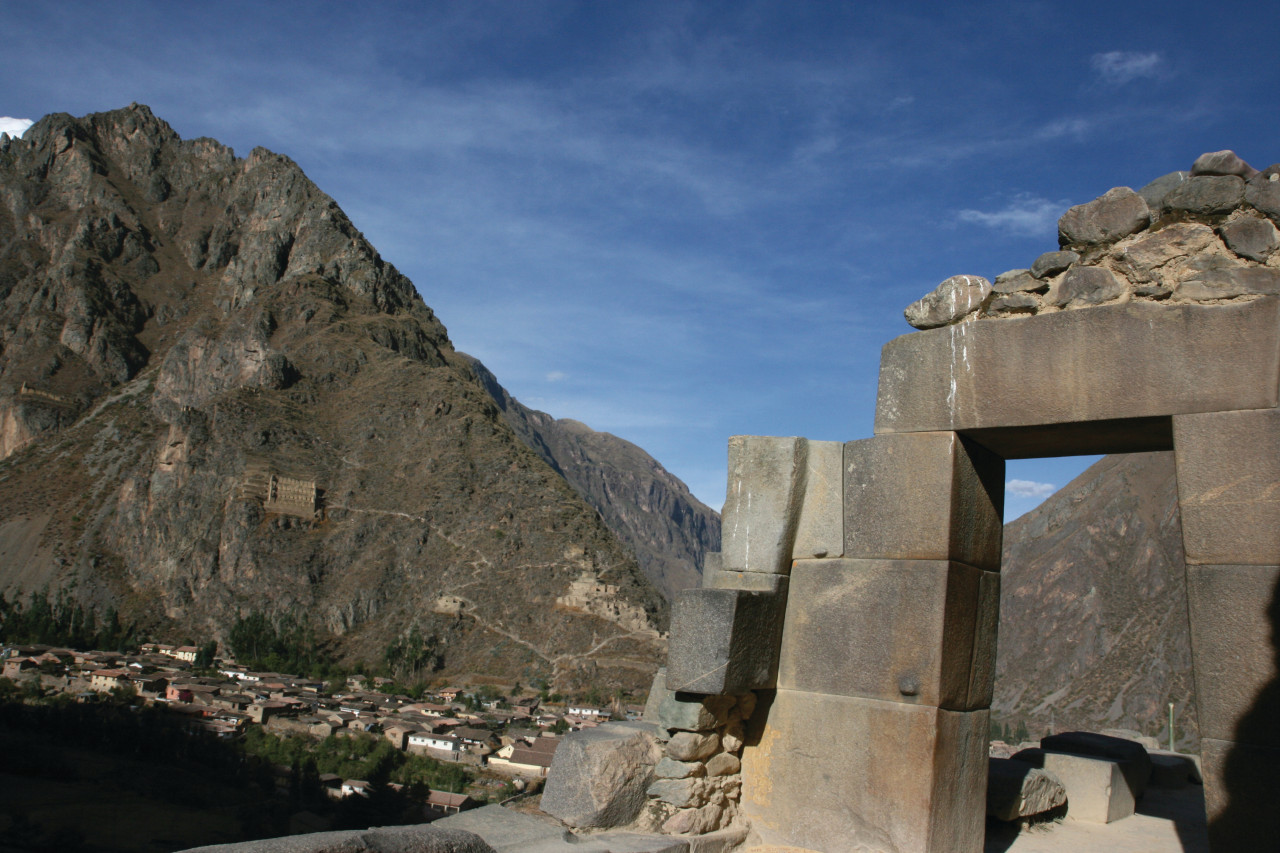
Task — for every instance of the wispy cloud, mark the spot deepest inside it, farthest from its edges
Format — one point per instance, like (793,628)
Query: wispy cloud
(1025,215)
(1118,67)
(1029,488)
(556,376)
(14,126)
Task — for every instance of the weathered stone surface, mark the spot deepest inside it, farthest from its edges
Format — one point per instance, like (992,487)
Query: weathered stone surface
(1132,757)
(753,581)
(762,502)
(1014,303)
(681,793)
(1206,195)
(1228,471)
(598,776)
(669,768)
(1220,278)
(1086,286)
(1117,213)
(950,301)
(692,712)
(1142,259)
(724,641)
(1251,237)
(1222,163)
(1132,361)
(1263,192)
(1097,791)
(657,692)
(1016,281)
(1235,611)
(820,530)
(1154,193)
(504,829)
(694,821)
(912,631)
(1241,789)
(723,764)
(691,746)
(837,774)
(431,838)
(1015,789)
(923,497)
(1051,263)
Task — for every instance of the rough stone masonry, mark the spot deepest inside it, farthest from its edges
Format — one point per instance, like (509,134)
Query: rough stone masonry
(859,589)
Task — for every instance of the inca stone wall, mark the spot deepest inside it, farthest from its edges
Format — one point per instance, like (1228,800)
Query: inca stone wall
(859,588)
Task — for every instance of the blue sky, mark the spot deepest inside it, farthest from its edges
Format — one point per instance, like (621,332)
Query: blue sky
(679,221)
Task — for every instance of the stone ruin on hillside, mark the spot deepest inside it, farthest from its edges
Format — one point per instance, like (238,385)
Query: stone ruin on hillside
(859,590)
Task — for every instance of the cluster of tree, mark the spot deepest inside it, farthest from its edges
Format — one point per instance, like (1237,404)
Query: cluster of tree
(62,622)
(1001,731)
(281,644)
(413,657)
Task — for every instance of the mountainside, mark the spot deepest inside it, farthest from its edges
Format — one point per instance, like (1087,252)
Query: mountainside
(1093,610)
(649,509)
(217,399)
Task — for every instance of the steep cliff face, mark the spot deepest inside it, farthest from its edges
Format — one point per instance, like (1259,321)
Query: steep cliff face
(193,346)
(649,509)
(1093,622)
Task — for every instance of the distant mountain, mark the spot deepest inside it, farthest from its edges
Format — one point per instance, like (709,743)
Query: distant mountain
(649,509)
(217,399)
(1093,622)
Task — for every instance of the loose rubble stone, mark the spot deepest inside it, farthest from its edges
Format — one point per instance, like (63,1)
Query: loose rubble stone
(1251,238)
(1222,163)
(1207,195)
(599,776)
(1015,789)
(693,821)
(1154,193)
(1014,303)
(1051,263)
(950,301)
(1225,281)
(1116,213)
(669,768)
(733,738)
(1152,290)
(723,764)
(681,793)
(1087,286)
(690,746)
(1016,281)
(1141,259)
(1263,191)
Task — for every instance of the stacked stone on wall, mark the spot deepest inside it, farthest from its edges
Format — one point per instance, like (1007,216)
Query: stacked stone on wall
(698,783)
(1207,236)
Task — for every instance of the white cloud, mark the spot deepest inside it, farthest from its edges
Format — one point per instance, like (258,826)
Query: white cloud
(1026,215)
(1119,66)
(556,376)
(14,126)
(1029,488)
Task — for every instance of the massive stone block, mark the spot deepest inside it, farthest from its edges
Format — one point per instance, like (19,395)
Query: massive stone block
(1229,486)
(923,496)
(1093,380)
(836,773)
(913,631)
(1235,616)
(820,529)
(724,640)
(1097,791)
(599,776)
(762,502)
(1241,790)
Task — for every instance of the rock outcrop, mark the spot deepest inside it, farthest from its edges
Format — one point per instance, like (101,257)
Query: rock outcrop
(176,320)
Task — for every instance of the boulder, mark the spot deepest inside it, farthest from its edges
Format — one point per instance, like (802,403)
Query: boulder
(950,301)
(669,768)
(723,764)
(681,793)
(1154,193)
(599,776)
(1222,163)
(1087,286)
(1251,237)
(1016,281)
(1116,213)
(1051,263)
(1014,303)
(1263,191)
(1207,195)
(692,712)
(1016,789)
(690,746)
(1132,756)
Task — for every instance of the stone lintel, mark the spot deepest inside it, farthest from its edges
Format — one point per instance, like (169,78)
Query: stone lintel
(762,502)
(842,774)
(923,496)
(1132,435)
(1113,362)
(724,640)
(912,631)
(1235,619)
(1229,486)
